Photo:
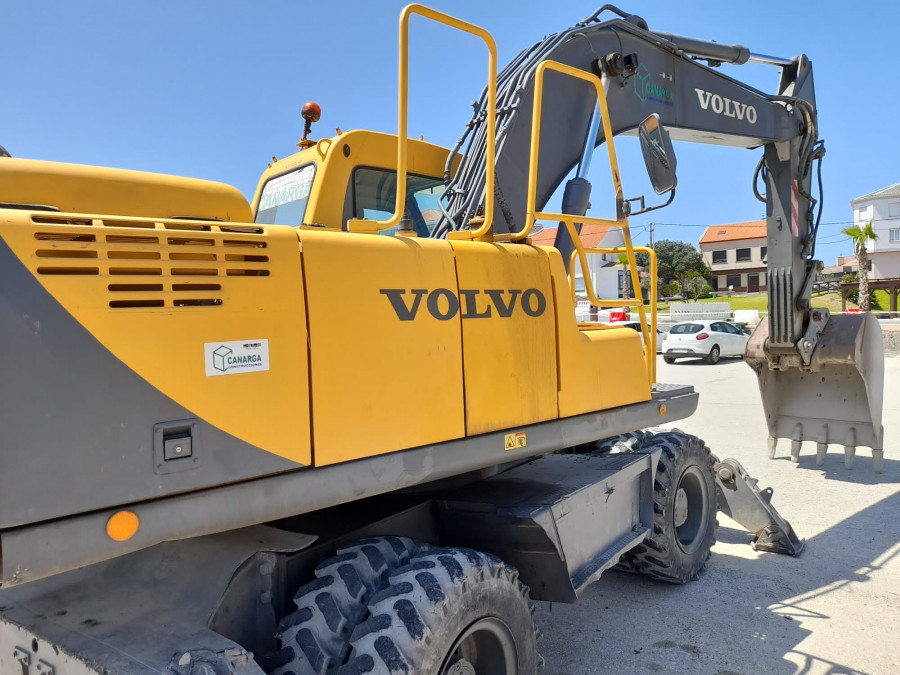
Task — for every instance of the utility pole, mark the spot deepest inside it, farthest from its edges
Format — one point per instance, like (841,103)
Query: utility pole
(651,235)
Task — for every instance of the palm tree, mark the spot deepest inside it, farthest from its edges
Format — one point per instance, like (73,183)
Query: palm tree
(860,234)
(626,280)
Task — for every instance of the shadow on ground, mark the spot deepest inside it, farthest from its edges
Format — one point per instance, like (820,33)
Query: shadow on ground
(833,468)
(744,616)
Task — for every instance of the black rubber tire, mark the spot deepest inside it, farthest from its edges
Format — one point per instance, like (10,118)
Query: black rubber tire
(677,553)
(669,359)
(432,603)
(316,637)
(713,357)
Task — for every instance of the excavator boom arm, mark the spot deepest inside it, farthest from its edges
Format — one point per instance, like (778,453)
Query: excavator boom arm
(645,72)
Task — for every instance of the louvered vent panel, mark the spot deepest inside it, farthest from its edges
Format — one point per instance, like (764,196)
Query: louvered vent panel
(161,264)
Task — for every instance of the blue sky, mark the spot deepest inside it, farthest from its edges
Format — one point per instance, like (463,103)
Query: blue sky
(213,89)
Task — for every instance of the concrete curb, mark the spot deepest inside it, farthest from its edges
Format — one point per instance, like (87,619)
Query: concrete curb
(890,335)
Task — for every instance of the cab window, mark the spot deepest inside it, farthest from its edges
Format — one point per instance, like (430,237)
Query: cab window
(284,198)
(374,197)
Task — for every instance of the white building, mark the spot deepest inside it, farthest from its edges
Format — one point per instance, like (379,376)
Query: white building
(736,254)
(882,207)
(605,272)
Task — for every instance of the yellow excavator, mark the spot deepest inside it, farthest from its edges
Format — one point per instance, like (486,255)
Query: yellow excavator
(353,426)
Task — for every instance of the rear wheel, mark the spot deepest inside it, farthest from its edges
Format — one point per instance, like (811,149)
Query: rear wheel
(684,511)
(315,638)
(448,612)
(669,359)
(713,356)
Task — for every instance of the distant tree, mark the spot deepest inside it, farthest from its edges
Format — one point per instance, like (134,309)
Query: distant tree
(676,260)
(860,234)
(671,288)
(695,286)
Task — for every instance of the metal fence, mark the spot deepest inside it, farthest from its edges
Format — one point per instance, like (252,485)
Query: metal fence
(699,311)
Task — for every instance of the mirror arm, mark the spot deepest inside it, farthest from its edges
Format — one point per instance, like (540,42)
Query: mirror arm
(646,209)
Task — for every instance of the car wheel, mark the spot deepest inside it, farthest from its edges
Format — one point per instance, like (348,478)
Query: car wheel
(669,359)
(713,356)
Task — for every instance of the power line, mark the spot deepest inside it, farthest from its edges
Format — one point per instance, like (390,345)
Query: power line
(739,225)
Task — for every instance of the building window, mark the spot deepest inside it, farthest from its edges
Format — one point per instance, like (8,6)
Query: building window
(862,213)
(895,234)
(719,257)
(894,210)
(762,253)
(733,280)
(743,255)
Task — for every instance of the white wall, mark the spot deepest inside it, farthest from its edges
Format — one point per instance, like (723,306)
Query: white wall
(885,265)
(885,216)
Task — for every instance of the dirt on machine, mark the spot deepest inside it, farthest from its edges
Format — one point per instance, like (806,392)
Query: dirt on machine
(210,467)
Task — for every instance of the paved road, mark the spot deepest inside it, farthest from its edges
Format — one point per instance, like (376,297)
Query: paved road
(835,609)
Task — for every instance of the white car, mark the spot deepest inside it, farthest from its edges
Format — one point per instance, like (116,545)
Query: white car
(636,325)
(708,339)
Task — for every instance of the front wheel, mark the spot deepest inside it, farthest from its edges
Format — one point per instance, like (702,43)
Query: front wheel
(684,511)
(713,356)
(448,612)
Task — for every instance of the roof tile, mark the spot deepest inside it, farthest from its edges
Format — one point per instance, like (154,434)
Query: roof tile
(754,229)
(591,236)
(889,191)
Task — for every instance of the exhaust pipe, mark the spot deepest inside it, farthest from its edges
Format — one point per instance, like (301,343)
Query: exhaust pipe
(836,399)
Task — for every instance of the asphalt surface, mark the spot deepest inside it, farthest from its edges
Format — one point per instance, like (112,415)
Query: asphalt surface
(835,609)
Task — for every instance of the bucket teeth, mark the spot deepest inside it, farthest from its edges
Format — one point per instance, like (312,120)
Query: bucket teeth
(822,445)
(878,459)
(796,443)
(850,448)
(773,444)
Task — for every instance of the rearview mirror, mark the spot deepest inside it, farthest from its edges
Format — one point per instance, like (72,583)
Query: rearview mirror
(659,155)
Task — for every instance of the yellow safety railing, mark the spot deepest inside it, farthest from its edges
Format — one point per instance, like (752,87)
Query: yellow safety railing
(532,214)
(648,330)
(375,226)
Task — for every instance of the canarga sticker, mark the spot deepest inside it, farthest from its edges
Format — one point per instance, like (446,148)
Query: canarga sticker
(238,356)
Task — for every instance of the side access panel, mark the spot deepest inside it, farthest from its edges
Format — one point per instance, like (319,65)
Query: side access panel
(385,347)
(508,333)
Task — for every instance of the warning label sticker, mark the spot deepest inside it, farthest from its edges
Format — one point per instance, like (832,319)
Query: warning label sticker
(515,441)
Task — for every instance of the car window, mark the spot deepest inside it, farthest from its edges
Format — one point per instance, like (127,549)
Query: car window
(719,328)
(734,329)
(686,328)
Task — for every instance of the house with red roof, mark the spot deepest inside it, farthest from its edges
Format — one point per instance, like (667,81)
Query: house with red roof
(736,254)
(605,272)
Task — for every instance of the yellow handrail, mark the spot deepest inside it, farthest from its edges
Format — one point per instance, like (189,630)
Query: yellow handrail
(532,214)
(375,226)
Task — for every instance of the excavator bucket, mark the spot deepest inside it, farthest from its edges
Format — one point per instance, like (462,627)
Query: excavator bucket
(836,398)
